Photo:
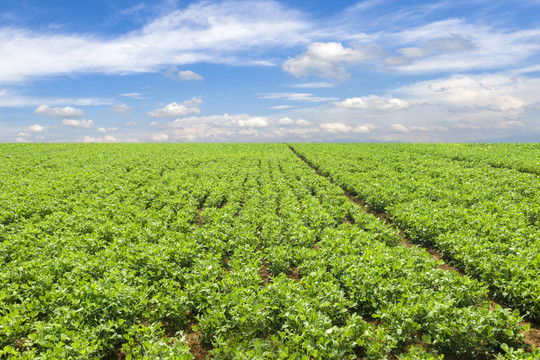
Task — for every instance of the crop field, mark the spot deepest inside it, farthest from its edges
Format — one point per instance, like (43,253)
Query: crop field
(269,251)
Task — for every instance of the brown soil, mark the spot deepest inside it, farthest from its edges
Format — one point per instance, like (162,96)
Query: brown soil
(532,337)
(196,347)
(116,354)
(348,220)
(294,274)
(226,264)
(265,274)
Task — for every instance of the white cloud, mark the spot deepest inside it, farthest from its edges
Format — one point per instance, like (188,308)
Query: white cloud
(455,45)
(218,32)
(294,96)
(133,95)
(177,109)
(10,99)
(303,122)
(315,85)
(400,128)
(281,107)
(336,127)
(509,124)
(160,137)
(36,128)
(496,92)
(104,130)
(327,59)
(22,140)
(225,120)
(106,139)
(62,112)
(175,74)
(86,124)
(364,129)
(373,102)
(285,121)
(192,102)
(121,109)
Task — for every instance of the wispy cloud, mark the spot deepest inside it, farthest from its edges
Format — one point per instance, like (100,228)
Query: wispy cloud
(14,99)
(282,107)
(314,85)
(121,109)
(293,96)
(201,32)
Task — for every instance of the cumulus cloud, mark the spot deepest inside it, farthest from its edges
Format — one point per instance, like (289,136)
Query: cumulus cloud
(285,121)
(364,129)
(177,109)
(121,109)
(225,120)
(104,130)
(183,75)
(495,92)
(194,101)
(336,127)
(373,102)
(160,137)
(327,60)
(36,128)
(86,124)
(400,128)
(61,112)
(294,96)
(105,139)
(303,122)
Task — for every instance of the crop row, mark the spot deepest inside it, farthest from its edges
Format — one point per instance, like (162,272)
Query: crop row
(124,249)
(521,157)
(485,219)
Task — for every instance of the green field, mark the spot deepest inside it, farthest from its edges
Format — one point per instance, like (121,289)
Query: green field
(268,251)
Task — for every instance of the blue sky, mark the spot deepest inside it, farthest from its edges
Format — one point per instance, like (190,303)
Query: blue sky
(269,71)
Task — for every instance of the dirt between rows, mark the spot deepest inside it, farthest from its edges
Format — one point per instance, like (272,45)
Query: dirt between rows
(193,338)
(532,337)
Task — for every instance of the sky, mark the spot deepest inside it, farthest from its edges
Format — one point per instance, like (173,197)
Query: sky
(269,71)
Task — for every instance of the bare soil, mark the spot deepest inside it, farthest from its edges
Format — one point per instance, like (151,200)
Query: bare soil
(265,273)
(294,274)
(193,336)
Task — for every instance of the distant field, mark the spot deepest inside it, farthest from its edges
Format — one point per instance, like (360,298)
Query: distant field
(268,251)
